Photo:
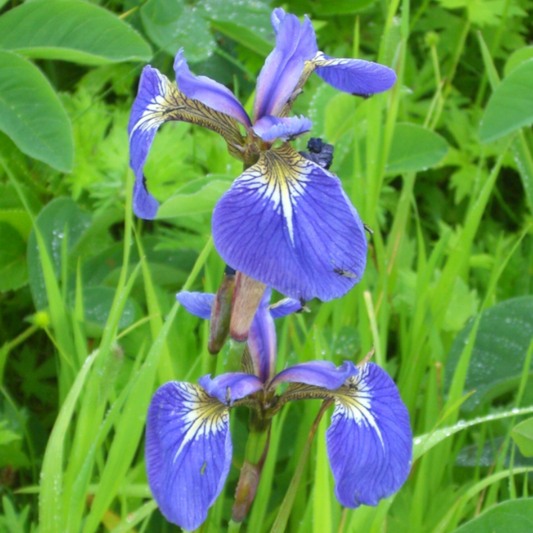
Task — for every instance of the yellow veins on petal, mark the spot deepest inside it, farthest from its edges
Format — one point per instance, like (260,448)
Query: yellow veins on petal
(280,176)
(171,104)
(201,415)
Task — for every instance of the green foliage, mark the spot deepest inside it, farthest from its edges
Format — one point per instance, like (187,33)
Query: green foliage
(89,325)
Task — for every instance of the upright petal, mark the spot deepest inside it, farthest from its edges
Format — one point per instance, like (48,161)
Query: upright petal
(262,340)
(197,303)
(208,91)
(270,128)
(295,44)
(230,387)
(287,223)
(188,452)
(317,373)
(369,441)
(354,76)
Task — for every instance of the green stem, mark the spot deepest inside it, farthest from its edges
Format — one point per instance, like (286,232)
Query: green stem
(286,507)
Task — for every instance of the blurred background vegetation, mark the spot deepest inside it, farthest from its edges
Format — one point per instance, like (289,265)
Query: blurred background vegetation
(440,168)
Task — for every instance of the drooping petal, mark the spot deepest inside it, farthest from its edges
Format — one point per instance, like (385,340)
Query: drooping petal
(197,303)
(157,102)
(318,373)
(150,110)
(231,387)
(285,307)
(188,452)
(295,44)
(369,441)
(270,128)
(262,340)
(287,223)
(208,92)
(354,76)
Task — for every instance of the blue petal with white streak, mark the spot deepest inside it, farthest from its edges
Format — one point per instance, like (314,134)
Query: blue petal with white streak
(147,115)
(188,452)
(287,223)
(369,442)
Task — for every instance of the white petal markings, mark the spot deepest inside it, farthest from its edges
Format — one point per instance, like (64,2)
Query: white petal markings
(280,177)
(355,402)
(202,415)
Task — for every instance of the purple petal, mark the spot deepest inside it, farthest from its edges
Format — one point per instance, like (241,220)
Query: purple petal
(369,441)
(355,76)
(208,91)
(147,114)
(318,373)
(188,452)
(197,303)
(270,128)
(231,387)
(286,222)
(262,340)
(295,44)
(285,307)
(277,18)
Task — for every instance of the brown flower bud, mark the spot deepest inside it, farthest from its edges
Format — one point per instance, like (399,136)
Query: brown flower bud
(246,297)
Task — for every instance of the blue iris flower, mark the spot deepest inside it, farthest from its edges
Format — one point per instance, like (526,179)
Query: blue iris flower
(188,441)
(286,221)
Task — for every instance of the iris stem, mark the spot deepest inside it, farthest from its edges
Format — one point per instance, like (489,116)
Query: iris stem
(234,527)
(235,353)
(286,507)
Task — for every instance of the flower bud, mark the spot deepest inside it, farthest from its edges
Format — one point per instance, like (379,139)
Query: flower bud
(246,297)
(221,312)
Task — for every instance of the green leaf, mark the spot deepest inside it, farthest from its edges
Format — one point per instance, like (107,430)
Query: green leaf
(415,148)
(503,338)
(172,24)
(71,30)
(245,21)
(32,115)
(512,516)
(340,7)
(97,303)
(517,58)
(511,105)
(198,196)
(523,436)
(61,217)
(13,267)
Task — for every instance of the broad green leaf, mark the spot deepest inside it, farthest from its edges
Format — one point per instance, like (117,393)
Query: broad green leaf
(13,266)
(71,30)
(199,196)
(511,105)
(97,302)
(245,21)
(32,115)
(517,58)
(415,148)
(339,116)
(512,516)
(173,24)
(503,338)
(59,219)
(340,7)
(523,436)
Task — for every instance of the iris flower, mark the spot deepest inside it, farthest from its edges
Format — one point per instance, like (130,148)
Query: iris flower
(188,441)
(286,221)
